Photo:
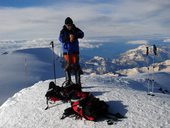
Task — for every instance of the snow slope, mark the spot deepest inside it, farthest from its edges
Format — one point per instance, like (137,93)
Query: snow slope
(125,95)
(30,65)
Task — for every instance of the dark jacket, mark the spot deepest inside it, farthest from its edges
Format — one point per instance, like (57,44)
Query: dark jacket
(68,47)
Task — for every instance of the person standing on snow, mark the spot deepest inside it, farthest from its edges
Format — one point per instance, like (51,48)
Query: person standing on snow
(69,36)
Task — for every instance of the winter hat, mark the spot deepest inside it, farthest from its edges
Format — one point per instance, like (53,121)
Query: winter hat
(68,20)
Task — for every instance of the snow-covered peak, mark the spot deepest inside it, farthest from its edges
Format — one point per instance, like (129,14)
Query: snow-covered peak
(167,40)
(97,60)
(98,65)
(139,50)
(127,96)
(158,67)
(136,53)
(137,57)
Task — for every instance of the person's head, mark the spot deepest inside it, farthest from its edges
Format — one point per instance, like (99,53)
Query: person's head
(69,23)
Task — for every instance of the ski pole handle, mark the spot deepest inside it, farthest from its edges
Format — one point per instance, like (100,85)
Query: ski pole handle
(147,51)
(52,43)
(155,49)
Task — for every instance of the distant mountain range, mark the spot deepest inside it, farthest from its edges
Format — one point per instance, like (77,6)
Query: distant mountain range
(133,59)
(157,67)
(130,62)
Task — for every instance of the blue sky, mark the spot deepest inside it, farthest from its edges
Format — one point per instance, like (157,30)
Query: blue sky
(24,3)
(29,3)
(32,19)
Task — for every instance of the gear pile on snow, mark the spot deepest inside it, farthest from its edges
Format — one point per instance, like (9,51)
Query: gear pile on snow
(83,104)
(56,93)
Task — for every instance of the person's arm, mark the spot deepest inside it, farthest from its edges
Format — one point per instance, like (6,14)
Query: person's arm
(63,38)
(79,33)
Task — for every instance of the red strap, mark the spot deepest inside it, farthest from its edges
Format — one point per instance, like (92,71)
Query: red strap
(54,99)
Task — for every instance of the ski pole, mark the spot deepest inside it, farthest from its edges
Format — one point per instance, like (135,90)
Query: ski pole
(154,54)
(26,72)
(53,56)
(153,73)
(153,66)
(147,64)
(47,104)
(154,49)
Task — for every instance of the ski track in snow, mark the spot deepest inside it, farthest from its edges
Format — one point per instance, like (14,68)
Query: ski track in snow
(26,108)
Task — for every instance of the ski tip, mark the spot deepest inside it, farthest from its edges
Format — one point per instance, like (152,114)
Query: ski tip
(110,122)
(46,108)
(52,43)
(151,94)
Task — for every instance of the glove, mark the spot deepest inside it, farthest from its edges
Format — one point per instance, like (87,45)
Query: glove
(72,38)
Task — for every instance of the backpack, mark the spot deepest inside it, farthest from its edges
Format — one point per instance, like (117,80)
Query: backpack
(87,106)
(57,93)
(54,92)
(83,104)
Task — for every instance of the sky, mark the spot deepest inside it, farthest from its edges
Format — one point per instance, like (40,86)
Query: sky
(32,19)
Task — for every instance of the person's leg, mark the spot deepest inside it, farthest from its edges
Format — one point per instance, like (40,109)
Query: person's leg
(67,70)
(77,69)
(77,77)
(68,76)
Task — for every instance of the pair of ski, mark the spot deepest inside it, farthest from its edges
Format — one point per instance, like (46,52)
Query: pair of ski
(151,81)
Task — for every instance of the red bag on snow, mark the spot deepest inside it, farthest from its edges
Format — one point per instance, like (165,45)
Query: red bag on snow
(88,106)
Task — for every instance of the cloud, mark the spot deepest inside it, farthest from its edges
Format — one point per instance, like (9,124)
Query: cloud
(142,42)
(112,18)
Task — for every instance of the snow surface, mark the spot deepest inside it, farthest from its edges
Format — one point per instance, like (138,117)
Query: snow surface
(125,95)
